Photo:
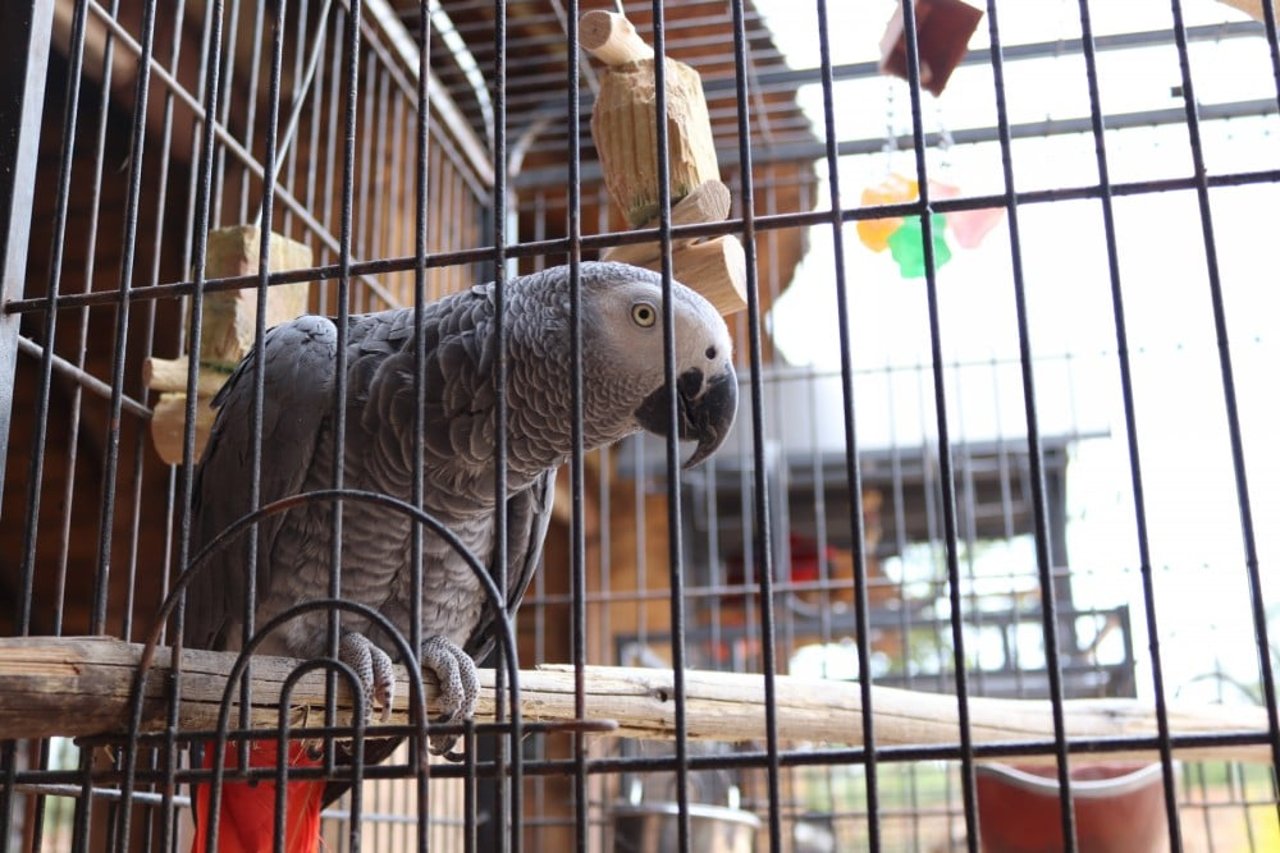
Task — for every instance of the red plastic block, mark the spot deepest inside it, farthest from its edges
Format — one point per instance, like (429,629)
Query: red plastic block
(943,29)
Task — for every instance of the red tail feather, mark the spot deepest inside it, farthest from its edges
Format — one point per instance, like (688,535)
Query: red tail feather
(247,812)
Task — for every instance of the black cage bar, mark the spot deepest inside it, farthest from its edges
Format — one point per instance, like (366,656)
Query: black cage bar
(1004,357)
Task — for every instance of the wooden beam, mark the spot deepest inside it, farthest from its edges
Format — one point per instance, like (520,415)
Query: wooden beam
(73,686)
(1253,8)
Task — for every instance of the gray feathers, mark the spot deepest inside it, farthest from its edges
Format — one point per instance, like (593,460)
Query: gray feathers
(623,366)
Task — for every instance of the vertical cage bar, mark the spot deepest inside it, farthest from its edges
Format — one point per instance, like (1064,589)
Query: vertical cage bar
(945,467)
(1048,602)
(422,222)
(351,91)
(227,73)
(508,793)
(853,475)
(764,544)
(257,402)
(362,298)
(1243,499)
(110,474)
(675,524)
(577,484)
(251,110)
(162,197)
(35,473)
(198,217)
(1169,778)
(81,315)
(25,34)
(123,304)
(142,437)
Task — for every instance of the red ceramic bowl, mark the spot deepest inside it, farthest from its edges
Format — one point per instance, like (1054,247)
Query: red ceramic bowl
(1119,808)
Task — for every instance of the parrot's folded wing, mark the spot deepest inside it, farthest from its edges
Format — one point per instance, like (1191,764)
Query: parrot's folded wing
(298,378)
(528,515)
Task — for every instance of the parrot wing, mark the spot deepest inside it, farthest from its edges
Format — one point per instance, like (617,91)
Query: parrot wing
(299,359)
(528,516)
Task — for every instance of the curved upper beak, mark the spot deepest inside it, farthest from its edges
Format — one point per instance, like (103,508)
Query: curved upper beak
(705,410)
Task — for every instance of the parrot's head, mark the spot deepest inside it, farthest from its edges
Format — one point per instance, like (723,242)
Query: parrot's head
(622,328)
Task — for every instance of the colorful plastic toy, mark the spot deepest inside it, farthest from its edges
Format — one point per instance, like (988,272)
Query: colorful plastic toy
(874,233)
(969,227)
(907,245)
(904,236)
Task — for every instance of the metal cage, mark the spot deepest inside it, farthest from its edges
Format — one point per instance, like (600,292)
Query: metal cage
(1038,479)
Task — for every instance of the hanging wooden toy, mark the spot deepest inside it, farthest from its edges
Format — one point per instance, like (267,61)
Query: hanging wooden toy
(625,130)
(228,327)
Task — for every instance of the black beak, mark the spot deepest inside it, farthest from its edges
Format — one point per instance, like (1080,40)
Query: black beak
(705,410)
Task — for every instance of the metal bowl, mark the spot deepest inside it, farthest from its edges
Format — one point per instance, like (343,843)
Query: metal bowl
(653,828)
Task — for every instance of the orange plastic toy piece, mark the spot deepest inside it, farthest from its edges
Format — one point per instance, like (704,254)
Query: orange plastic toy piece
(874,233)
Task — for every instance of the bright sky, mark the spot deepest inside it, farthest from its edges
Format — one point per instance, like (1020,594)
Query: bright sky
(1195,538)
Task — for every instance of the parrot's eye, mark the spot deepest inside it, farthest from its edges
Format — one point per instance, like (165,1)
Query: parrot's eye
(644,314)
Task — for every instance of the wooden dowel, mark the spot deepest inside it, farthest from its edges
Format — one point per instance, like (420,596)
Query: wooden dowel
(611,38)
(709,202)
(168,422)
(80,686)
(718,270)
(170,375)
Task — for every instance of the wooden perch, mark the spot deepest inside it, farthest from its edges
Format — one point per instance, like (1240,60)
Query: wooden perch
(227,331)
(80,686)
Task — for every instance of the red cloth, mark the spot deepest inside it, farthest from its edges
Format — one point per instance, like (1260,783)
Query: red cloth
(247,812)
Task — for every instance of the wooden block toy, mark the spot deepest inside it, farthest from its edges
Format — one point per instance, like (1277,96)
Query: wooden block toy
(624,126)
(227,331)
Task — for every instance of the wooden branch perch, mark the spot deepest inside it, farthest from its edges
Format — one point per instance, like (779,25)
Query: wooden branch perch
(80,685)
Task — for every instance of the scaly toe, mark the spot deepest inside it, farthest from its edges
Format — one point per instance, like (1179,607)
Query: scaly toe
(459,689)
(374,669)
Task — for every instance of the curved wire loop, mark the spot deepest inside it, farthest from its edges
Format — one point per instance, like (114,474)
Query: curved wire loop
(503,626)
(282,736)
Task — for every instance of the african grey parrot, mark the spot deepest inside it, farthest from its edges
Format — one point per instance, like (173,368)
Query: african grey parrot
(623,394)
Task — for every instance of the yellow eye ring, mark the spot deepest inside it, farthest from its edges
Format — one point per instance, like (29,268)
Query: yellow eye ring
(644,314)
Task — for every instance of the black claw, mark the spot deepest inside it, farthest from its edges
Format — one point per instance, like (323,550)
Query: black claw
(445,748)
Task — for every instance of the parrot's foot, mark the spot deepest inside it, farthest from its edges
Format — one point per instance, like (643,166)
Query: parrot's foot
(459,689)
(373,666)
